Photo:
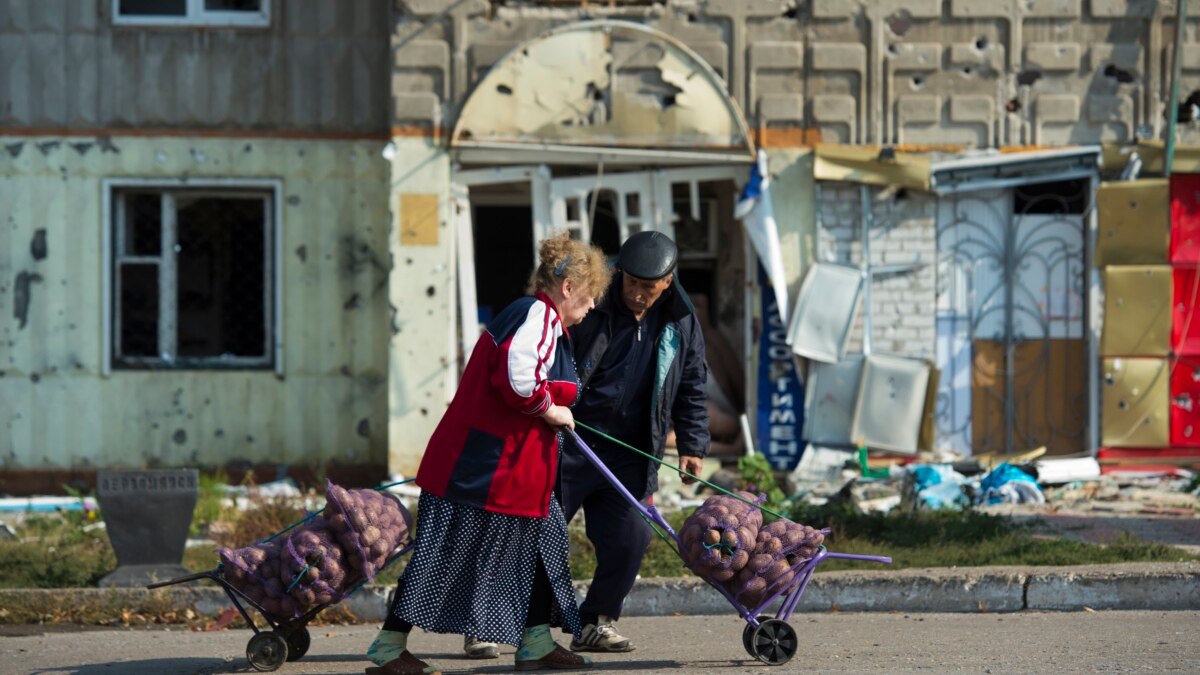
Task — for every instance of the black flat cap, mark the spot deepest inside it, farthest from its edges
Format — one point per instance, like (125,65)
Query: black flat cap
(648,255)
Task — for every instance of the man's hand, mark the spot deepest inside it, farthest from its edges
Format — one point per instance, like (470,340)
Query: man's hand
(692,465)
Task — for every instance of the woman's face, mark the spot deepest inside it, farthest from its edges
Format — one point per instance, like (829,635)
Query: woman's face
(575,302)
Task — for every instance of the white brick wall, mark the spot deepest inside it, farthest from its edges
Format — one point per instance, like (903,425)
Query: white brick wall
(904,232)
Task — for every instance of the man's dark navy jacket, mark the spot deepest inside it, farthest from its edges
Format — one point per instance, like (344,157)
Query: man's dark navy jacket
(678,396)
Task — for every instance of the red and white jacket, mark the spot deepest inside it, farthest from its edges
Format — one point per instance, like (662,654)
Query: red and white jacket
(492,449)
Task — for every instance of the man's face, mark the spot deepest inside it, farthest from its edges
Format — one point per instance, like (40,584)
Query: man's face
(640,294)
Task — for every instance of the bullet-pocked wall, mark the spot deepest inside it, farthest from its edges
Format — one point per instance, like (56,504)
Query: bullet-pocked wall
(319,399)
(956,74)
(422,365)
(251,148)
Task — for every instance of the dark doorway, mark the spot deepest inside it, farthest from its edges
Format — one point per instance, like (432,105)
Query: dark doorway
(503,256)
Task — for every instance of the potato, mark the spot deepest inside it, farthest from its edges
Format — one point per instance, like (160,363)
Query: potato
(730,521)
(777,569)
(337,523)
(381,548)
(722,575)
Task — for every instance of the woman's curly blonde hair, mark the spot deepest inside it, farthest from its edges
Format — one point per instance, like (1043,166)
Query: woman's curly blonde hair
(560,257)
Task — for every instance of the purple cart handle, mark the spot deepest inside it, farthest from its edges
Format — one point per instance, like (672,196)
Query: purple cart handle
(804,569)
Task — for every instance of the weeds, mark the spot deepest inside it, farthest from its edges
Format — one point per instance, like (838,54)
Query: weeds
(210,501)
(55,551)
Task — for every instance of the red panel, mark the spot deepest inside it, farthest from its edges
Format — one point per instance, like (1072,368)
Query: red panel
(1117,454)
(1185,217)
(1185,313)
(1185,402)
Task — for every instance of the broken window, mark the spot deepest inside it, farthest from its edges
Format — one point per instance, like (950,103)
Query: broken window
(192,271)
(192,12)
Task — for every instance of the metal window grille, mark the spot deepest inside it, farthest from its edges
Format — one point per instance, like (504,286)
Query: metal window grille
(192,278)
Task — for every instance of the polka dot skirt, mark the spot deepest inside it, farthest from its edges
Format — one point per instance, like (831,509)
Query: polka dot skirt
(472,571)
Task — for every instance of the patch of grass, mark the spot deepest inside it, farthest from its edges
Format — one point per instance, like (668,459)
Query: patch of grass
(210,502)
(55,551)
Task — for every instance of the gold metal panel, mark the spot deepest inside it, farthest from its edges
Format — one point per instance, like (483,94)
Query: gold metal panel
(1134,223)
(1134,411)
(419,219)
(863,165)
(1137,311)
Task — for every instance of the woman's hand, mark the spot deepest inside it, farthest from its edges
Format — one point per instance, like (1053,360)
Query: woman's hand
(559,416)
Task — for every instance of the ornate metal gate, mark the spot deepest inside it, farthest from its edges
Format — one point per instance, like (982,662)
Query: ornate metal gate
(1012,318)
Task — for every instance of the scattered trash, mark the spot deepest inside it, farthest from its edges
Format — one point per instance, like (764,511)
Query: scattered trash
(1006,484)
(1059,471)
(47,504)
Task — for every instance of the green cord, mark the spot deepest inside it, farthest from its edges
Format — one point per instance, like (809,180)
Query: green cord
(647,455)
(298,577)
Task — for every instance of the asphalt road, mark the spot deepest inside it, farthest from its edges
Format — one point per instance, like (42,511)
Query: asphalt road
(830,642)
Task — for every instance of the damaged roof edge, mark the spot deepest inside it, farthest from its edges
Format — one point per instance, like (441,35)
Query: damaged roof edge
(679,126)
(483,152)
(934,171)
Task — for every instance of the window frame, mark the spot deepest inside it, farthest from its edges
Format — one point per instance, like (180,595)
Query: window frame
(196,15)
(111,209)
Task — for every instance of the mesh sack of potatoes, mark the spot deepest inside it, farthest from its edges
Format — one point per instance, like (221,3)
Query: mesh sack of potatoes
(313,568)
(779,550)
(368,524)
(250,569)
(717,539)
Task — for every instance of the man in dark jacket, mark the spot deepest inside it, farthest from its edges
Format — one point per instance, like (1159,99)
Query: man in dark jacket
(640,359)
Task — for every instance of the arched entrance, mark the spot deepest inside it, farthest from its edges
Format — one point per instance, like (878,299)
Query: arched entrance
(604,129)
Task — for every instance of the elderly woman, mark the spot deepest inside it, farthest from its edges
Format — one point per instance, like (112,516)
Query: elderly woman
(491,552)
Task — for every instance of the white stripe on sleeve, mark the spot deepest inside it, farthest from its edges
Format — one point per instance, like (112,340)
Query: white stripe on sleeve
(527,366)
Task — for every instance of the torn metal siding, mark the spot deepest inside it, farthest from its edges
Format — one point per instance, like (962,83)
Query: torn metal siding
(317,67)
(58,411)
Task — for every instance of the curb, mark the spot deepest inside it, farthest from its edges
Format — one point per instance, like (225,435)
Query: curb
(1144,586)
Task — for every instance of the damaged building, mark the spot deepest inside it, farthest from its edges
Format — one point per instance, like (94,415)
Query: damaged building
(267,232)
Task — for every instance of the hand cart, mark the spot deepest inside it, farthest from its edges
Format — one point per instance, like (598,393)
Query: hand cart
(283,639)
(769,639)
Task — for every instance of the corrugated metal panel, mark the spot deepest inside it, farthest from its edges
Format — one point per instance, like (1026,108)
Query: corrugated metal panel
(56,410)
(320,66)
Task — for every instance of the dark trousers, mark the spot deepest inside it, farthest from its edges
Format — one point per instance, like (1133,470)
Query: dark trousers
(614,526)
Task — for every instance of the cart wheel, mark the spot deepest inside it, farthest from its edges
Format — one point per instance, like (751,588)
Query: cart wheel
(267,651)
(748,632)
(298,641)
(774,642)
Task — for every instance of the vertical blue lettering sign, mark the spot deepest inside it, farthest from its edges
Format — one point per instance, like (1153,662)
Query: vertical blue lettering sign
(780,394)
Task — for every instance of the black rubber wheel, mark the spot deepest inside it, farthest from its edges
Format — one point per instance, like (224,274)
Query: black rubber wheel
(774,642)
(298,642)
(266,651)
(748,632)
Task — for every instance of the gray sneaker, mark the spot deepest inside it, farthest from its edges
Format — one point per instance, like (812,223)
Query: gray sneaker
(478,649)
(601,636)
